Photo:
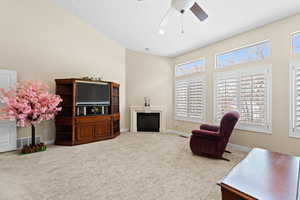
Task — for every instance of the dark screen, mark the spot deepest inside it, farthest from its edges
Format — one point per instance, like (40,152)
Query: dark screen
(92,93)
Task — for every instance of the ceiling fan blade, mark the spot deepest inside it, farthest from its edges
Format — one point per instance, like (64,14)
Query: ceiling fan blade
(199,12)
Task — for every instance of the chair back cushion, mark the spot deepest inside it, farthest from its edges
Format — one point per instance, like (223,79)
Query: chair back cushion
(228,122)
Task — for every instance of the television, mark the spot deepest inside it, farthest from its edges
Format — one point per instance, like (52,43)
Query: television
(92,93)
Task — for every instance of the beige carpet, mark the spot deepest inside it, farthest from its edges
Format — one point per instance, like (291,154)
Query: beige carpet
(131,167)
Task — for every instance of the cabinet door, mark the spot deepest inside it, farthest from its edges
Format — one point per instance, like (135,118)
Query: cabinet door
(85,131)
(116,124)
(115,98)
(103,128)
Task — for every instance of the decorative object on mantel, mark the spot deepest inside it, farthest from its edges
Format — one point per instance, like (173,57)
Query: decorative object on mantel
(147,101)
(87,78)
(29,103)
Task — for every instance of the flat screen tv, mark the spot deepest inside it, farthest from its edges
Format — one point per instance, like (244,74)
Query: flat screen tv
(92,94)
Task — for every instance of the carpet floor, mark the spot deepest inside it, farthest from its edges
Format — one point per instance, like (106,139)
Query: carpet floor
(140,166)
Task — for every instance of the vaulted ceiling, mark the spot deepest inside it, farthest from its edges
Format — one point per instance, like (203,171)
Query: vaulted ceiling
(135,23)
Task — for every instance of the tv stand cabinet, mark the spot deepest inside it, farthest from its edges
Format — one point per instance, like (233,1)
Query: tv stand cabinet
(72,129)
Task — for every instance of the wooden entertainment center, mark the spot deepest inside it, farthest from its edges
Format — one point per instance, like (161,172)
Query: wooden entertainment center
(83,123)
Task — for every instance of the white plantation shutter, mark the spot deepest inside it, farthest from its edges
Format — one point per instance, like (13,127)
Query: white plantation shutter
(197,99)
(181,98)
(255,99)
(226,94)
(295,102)
(248,92)
(190,99)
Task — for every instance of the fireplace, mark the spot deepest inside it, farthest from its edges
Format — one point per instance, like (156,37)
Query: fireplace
(148,122)
(157,110)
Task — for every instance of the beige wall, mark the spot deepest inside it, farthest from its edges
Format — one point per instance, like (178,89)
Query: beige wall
(42,42)
(279,34)
(149,76)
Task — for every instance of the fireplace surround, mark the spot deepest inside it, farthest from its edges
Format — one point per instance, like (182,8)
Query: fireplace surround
(147,112)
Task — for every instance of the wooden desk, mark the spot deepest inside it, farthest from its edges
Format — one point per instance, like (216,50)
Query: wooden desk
(263,175)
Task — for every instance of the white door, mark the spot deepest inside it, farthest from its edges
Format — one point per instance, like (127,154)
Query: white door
(8,131)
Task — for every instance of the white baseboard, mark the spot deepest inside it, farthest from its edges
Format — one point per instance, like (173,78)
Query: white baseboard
(233,146)
(177,132)
(124,130)
(239,147)
(49,142)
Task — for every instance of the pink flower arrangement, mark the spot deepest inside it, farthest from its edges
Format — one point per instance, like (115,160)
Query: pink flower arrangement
(29,103)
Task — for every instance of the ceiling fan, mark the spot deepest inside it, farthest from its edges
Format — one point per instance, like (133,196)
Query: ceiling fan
(182,6)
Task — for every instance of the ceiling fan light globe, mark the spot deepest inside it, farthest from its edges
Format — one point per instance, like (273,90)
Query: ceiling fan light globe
(161,31)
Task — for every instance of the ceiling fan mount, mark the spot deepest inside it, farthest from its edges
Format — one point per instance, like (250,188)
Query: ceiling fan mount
(181,6)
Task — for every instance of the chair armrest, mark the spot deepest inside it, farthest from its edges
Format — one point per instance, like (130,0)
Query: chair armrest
(207,134)
(209,127)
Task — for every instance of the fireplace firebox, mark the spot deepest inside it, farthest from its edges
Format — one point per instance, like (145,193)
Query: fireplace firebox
(148,122)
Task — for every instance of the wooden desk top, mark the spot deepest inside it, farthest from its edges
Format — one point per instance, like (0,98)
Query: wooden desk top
(265,175)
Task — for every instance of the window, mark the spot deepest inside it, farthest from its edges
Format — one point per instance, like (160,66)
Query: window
(190,99)
(181,99)
(253,99)
(190,68)
(254,52)
(247,91)
(295,101)
(190,92)
(226,89)
(296,43)
(196,99)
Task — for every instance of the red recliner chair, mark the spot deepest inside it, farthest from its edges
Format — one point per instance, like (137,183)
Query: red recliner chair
(211,141)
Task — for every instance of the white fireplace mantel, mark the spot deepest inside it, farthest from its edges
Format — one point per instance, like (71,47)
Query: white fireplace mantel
(152,109)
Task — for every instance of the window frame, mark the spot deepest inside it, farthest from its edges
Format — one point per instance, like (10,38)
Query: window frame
(293,65)
(292,44)
(268,102)
(238,48)
(191,74)
(188,77)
